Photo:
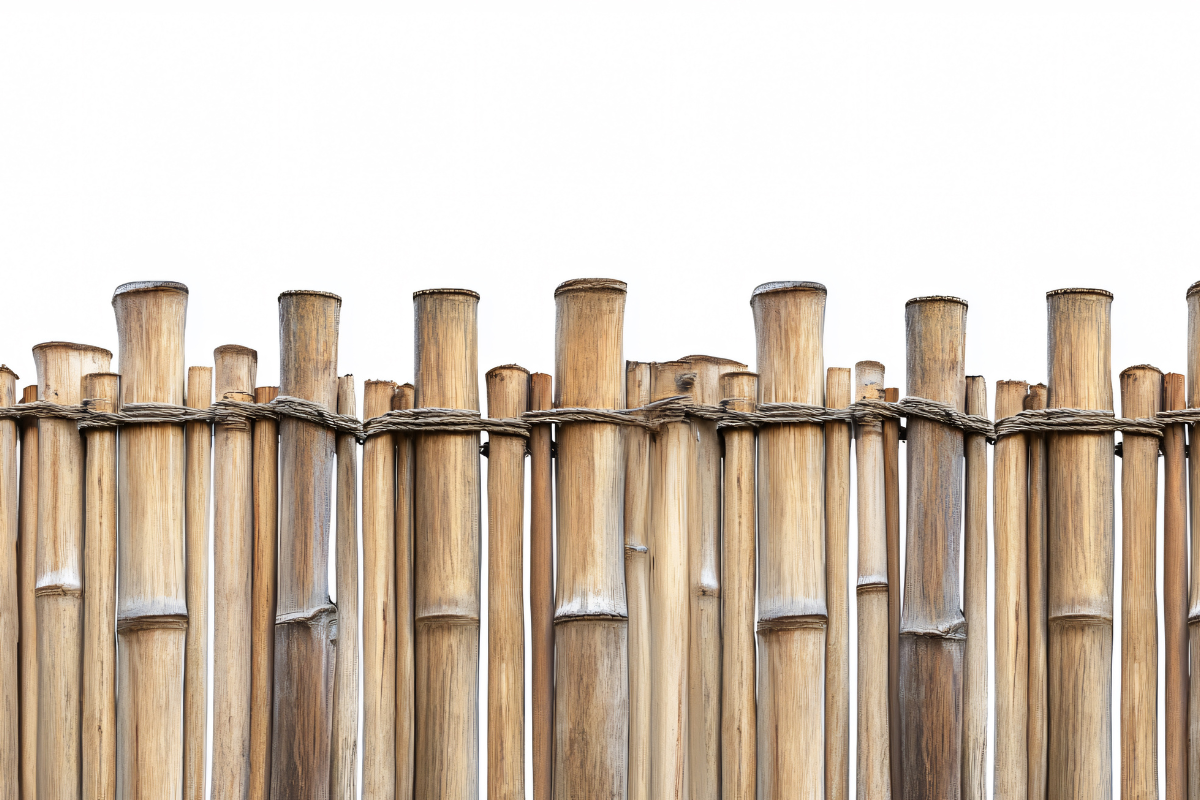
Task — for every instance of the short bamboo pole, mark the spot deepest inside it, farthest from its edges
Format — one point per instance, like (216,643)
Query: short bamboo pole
(738,664)
(874,770)
(891,505)
(343,766)
(27,577)
(99,740)
(262,635)
(403,399)
(152,615)
(59,593)
(1036,559)
(591,708)
(305,621)
(1175,577)
(508,397)
(541,594)
(1080,548)
(233,564)
(447,550)
(1141,397)
(837,560)
(932,625)
(10,623)
(197,482)
(975,559)
(637,580)
(788,324)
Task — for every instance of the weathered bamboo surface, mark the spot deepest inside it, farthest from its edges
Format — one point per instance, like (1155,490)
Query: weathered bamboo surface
(638,468)
(27,580)
(262,635)
(1035,557)
(197,483)
(837,559)
(975,561)
(1193,401)
(343,767)
(403,399)
(1175,580)
(10,623)
(541,597)
(891,499)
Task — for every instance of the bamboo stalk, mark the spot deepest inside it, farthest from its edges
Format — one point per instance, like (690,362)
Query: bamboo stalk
(874,771)
(99,726)
(837,560)
(637,587)
(541,594)
(447,553)
(1193,495)
(404,398)
(891,506)
(262,635)
(738,665)
(591,624)
(197,480)
(788,323)
(1175,578)
(305,621)
(1080,547)
(10,622)
(1010,778)
(27,577)
(1141,397)
(931,628)
(508,396)
(59,591)
(152,615)
(975,684)
(1036,559)
(343,767)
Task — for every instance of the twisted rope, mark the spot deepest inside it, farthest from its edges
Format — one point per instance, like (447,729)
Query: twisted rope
(1076,420)
(451,420)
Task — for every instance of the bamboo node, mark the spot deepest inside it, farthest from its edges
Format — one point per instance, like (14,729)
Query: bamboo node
(152,622)
(956,629)
(309,615)
(793,623)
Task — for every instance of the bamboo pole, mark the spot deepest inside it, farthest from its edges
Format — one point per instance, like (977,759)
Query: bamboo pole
(10,623)
(447,538)
(1036,559)
(1010,777)
(197,480)
(59,592)
(262,635)
(1080,547)
(508,397)
(837,560)
(27,577)
(591,624)
(99,726)
(343,766)
(975,684)
(637,586)
(788,324)
(891,506)
(152,613)
(305,621)
(541,593)
(931,628)
(738,664)
(1141,397)
(1175,592)
(1193,494)
(403,399)
(874,771)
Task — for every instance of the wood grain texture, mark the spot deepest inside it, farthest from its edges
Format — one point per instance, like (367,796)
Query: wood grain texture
(343,766)
(541,592)
(1035,557)
(404,398)
(638,470)
(837,560)
(891,502)
(1193,494)
(975,563)
(1175,579)
(10,615)
(27,579)
(197,495)
(262,635)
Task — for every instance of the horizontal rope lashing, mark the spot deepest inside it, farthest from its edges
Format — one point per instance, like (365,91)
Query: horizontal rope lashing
(449,420)
(1076,420)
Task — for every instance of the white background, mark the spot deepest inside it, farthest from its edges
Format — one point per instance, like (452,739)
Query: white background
(693,152)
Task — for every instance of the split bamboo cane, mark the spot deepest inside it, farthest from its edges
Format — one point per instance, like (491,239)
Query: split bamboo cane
(874,771)
(738,664)
(1010,777)
(59,593)
(1141,397)
(305,621)
(233,563)
(1038,750)
(637,587)
(975,684)
(447,550)
(788,324)
(508,397)
(99,740)
(10,623)
(197,480)
(262,635)
(891,503)
(591,708)
(27,645)
(541,595)
(837,560)
(151,592)
(1080,550)
(403,399)
(1175,592)
(343,766)
(932,626)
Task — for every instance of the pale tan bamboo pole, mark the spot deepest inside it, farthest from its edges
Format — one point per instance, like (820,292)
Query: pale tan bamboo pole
(739,718)
(404,399)
(591,624)
(99,727)
(305,621)
(262,635)
(508,397)
(1175,592)
(874,769)
(1080,550)
(541,591)
(975,542)
(1141,397)
(1193,494)
(152,615)
(932,625)
(343,766)
(637,580)
(27,644)
(447,540)
(1010,776)
(10,623)
(59,592)
(1036,559)
(788,325)
(197,482)
(891,504)
(837,560)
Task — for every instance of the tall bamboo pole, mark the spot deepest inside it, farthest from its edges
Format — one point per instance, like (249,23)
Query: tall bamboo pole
(305,621)
(1080,547)
(637,580)
(404,399)
(59,593)
(343,766)
(591,624)
(1036,559)
(541,592)
(99,728)
(447,538)
(262,635)
(837,559)
(10,623)
(27,646)
(508,396)
(1175,592)
(975,530)
(152,613)
(1141,397)
(788,323)
(1193,464)
(197,481)
(891,504)
(874,772)
(932,625)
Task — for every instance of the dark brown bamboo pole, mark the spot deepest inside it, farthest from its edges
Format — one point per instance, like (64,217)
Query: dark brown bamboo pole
(837,561)
(541,589)
(197,482)
(637,580)
(27,644)
(975,560)
(10,623)
(1193,464)
(1175,577)
(305,621)
(403,399)
(262,636)
(343,766)
(1036,559)
(1080,547)
(891,498)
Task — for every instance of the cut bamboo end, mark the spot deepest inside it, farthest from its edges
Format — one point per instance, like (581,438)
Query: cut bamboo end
(27,582)
(541,594)
(262,637)
(891,502)
(10,615)
(343,778)
(637,580)
(448,371)
(403,399)
(838,392)
(197,481)
(975,541)
(1175,579)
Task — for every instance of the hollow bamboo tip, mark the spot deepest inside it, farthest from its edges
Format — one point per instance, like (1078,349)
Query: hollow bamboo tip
(1079,349)
(541,390)
(103,389)
(1141,391)
(976,395)
(1036,399)
(507,391)
(868,381)
(637,384)
(1174,398)
(447,348)
(347,402)
(1010,398)
(8,387)
(5,370)
(739,390)
(772,287)
(671,378)
(589,366)
(62,365)
(404,398)
(199,387)
(837,387)
(789,322)
(377,397)
(709,369)
(236,369)
(591,285)
(265,394)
